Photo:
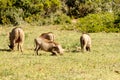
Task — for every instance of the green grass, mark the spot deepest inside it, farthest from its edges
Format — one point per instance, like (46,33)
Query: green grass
(102,63)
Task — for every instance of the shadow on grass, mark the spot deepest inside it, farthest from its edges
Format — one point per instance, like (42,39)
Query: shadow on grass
(73,51)
(7,50)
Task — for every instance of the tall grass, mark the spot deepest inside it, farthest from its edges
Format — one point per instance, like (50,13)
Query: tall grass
(102,63)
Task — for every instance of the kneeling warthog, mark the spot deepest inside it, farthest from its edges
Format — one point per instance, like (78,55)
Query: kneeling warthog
(85,41)
(16,36)
(47,45)
(49,36)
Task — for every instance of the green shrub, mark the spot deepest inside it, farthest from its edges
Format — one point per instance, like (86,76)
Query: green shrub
(61,19)
(31,11)
(117,22)
(102,22)
(11,16)
(96,23)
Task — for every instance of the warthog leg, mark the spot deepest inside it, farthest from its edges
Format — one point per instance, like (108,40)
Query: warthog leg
(20,47)
(37,49)
(87,48)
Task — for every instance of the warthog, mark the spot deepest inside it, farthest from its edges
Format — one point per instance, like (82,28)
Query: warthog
(47,45)
(16,36)
(49,36)
(85,41)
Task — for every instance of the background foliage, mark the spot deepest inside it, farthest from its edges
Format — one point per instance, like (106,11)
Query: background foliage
(104,14)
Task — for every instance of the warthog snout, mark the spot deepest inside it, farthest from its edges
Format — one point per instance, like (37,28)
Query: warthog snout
(59,49)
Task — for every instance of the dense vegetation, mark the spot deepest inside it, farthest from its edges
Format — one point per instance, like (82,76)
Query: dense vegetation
(92,15)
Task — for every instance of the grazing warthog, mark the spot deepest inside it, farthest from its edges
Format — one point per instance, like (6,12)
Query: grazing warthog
(49,36)
(85,41)
(47,45)
(16,36)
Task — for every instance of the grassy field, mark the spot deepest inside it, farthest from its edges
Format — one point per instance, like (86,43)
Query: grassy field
(102,63)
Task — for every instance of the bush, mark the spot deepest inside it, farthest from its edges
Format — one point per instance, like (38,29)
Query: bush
(117,22)
(12,12)
(11,16)
(61,19)
(97,23)
(52,19)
